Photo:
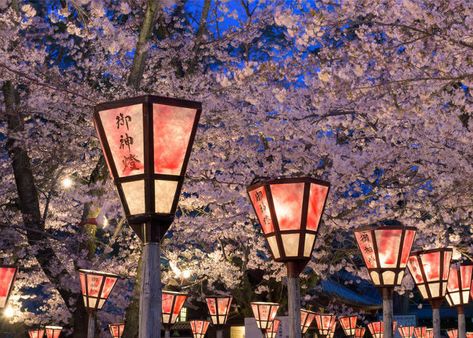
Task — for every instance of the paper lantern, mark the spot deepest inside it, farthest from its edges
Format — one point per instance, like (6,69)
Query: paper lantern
(360,332)
(420,332)
(264,314)
(325,323)
(7,278)
(452,333)
(348,324)
(307,317)
(53,331)
(469,335)
(116,329)
(36,332)
(147,142)
(273,329)
(199,328)
(376,329)
(385,250)
(172,303)
(219,308)
(459,285)
(96,287)
(429,333)
(406,331)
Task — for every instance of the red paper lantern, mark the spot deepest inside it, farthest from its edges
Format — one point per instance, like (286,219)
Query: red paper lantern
(53,331)
(96,287)
(172,303)
(116,329)
(36,332)
(459,285)
(469,335)
(430,270)
(307,317)
(429,333)
(273,329)
(385,250)
(219,308)
(264,314)
(420,332)
(360,332)
(406,331)
(199,328)
(289,211)
(453,333)
(348,324)
(325,323)
(147,142)
(7,277)
(333,329)
(376,329)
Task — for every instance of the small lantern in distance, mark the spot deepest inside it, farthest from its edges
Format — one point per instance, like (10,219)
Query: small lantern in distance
(406,331)
(199,328)
(36,332)
(7,278)
(307,317)
(324,322)
(116,329)
(348,324)
(264,313)
(458,292)
(360,332)
(219,308)
(420,332)
(376,329)
(53,331)
(429,333)
(469,335)
(96,287)
(273,329)
(172,303)
(453,333)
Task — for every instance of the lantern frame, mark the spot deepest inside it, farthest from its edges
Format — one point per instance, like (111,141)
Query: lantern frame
(351,328)
(376,329)
(9,287)
(150,226)
(219,319)
(54,330)
(120,327)
(199,331)
(452,333)
(307,317)
(86,297)
(273,330)
(325,327)
(429,333)
(272,308)
(36,332)
(276,235)
(168,322)
(426,285)
(406,331)
(420,331)
(382,276)
(360,332)
(457,295)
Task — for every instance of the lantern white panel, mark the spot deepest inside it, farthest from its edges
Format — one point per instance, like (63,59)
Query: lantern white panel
(375,277)
(274,246)
(101,303)
(388,277)
(399,277)
(135,196)
(166,318)
(214,320)
(164,192)
(434,289)
(291,244)
(423,291)
(309,242)
(455,298)
(466,296)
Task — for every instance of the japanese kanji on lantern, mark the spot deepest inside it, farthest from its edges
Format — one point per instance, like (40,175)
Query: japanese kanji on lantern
(7,278)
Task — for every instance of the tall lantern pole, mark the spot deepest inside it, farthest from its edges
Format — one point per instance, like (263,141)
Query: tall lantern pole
(385,250)
(147,142)
(219,308)
(430,270)
(289,211)
(458,292)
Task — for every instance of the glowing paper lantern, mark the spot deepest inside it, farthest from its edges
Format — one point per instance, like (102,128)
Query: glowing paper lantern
(307,317)
(430,270)
(406,331)
(147,142)
(376,329)
(453,333)
(273,330)
(199,328)
(36,332)
(469,335)
(420,332)
(429,333)
(325,323)
(116,329)
(360,332)
(385,250)
(172,303)
(459,285)
(219,308)
(96,287)
(53,331)
(348,324)
(7,277)
(264,314)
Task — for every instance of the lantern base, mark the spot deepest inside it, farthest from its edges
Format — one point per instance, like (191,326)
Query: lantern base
(294,268)
(150,228)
